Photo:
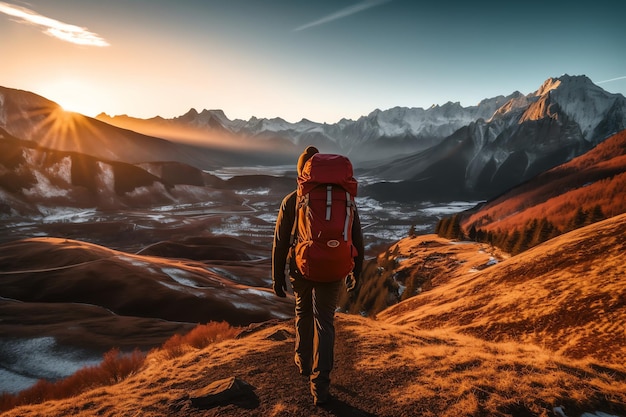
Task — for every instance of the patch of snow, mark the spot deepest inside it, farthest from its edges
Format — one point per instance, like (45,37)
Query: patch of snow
(136,262)
(106,177)
(253,191)
(368,204)
(23,361)
(230,172)
(261,293)
(43,188)
(182,288)
(268,217)
(66,214)
(180,276)
(244,305)
(561,413)
(224,273)
(13,383)
(450,208)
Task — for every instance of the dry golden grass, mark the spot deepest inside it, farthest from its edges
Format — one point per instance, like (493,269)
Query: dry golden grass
(116,366)
(199,337)
(540,330)
(381,369)
(568,295)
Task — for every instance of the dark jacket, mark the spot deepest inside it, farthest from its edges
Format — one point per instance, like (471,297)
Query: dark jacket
(282,246)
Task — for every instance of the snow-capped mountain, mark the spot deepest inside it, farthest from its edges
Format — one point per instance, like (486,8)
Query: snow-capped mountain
(385,133)
(399,131)
(527,135)
(444,152)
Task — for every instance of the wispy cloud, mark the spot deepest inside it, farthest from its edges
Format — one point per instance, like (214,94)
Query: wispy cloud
(612,79)
(52,27)
(345,12)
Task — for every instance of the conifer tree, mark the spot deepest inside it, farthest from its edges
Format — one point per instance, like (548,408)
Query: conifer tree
(595,215)
(579,219)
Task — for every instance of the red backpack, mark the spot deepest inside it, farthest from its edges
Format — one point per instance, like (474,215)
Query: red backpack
(322,231)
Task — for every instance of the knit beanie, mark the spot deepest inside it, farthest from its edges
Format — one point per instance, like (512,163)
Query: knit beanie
(306,155)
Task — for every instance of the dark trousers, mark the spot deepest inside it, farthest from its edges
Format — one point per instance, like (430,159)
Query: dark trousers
(316,303)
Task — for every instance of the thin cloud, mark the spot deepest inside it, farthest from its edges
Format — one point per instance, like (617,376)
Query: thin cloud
(52,27)
(345,12)
(612,79)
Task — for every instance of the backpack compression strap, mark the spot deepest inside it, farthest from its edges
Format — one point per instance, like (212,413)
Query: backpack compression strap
(329,201)
(349,206)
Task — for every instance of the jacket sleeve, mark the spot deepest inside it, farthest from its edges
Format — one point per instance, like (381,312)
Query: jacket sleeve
(282,236)
(357,241)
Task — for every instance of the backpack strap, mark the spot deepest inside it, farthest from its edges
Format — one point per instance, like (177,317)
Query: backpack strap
(329,201)
(349,208)
(300,201)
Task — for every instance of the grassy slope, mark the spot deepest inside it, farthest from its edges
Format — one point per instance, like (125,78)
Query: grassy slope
(536,331)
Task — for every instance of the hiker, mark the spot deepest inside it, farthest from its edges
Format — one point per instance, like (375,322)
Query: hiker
(316,297)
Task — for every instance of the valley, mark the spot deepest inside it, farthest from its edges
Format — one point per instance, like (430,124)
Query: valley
(131,230)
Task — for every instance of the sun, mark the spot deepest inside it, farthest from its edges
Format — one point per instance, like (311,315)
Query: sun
(71,108)
(73,95)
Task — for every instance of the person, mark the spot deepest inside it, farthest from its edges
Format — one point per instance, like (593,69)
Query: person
(315,302)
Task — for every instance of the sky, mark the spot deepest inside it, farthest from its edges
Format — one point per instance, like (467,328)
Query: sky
(321,60)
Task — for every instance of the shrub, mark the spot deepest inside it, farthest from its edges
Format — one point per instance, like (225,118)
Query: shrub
(114,367)
(200,337)
(203,335)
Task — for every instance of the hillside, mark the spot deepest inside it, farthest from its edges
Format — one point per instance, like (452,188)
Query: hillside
(567,295)
(536,334)
(66,302)
(597,178)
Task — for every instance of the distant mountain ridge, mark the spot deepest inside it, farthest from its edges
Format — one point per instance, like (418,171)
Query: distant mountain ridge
(443,153)
(573,100)
(381,133)
(27,116)
(563,119)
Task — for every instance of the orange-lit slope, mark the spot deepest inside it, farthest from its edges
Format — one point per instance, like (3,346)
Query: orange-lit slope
(595,178)
(567,294)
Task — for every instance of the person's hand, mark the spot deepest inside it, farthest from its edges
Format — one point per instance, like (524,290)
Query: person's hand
(280,286)
(351,282)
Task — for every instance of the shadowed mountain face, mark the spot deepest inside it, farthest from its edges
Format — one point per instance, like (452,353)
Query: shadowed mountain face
(528,135)
(34,176)
(595,180)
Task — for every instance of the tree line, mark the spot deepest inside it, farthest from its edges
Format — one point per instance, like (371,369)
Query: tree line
(515,241)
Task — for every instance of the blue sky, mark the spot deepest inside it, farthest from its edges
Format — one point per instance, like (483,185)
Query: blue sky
(320,60)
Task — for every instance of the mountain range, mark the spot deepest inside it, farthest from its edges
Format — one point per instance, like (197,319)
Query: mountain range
(442,153)
(446,152)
